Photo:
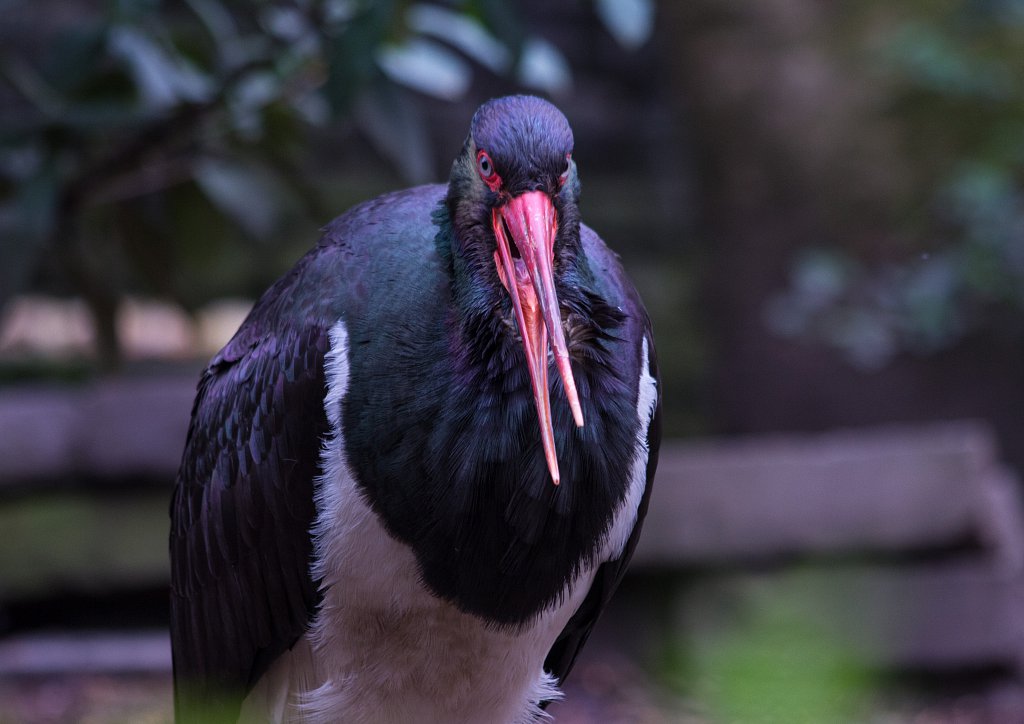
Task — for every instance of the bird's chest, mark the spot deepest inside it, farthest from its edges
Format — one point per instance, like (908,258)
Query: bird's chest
(383,648)
(457,472)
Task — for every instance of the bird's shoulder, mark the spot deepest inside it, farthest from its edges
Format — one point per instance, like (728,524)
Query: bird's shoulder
(370,261)
(369,257)
(606,278)
(607,275)
(404,214)
(376,261)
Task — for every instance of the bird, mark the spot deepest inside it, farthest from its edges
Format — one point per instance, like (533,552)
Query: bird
(415,475)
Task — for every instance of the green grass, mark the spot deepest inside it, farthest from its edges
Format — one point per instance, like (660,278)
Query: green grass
(767,660)
(82,542)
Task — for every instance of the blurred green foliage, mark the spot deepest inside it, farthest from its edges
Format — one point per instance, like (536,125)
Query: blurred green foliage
(83,542)
(770,655)
(952,80)
(158,146)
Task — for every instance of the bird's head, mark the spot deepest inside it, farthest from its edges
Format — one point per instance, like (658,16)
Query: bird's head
(512,198)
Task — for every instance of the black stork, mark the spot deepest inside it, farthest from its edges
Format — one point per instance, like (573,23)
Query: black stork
(416,474)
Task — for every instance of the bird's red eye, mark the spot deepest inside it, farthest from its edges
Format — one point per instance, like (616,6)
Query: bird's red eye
(485,166)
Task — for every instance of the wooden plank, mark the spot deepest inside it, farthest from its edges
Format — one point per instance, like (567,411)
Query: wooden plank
(114,429)
(883,489)
(87,652)
(37,431)
(135,427)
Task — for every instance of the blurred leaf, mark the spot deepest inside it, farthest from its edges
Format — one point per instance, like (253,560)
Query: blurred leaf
(501,18)
(223,31)
(952,89)
(32,86)
(543,67)
(930,60)
(351,52)
(830,298)
(186,125)
(249,98)
(336,12)
(426,67)
(863,333)
(293,29)
(162,80)
(465,33)
(286,23)
(930,298)
(216,18)
(395,126)
(630,22)
(821,277)
(312,108)
(248,193)
(20,163)
(818,281)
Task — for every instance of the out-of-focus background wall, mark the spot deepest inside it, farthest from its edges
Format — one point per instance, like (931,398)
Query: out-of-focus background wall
(820,202)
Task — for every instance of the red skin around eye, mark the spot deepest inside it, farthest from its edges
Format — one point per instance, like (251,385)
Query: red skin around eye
(493,180)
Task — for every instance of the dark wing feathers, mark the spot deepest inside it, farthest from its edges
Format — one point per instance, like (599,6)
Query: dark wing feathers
(243,505)
(241,591)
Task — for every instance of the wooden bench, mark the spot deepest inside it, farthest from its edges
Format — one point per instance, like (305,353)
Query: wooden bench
(904,542)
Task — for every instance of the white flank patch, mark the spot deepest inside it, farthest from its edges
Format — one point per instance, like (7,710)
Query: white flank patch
(624,519)
(382,648)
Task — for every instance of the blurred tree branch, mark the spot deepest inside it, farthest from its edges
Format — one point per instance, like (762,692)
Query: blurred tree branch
(144,143)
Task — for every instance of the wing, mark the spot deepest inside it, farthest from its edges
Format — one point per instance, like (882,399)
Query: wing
(570,641)
(243,505)
(241,591)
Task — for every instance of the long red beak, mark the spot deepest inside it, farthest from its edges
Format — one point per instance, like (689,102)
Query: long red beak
(524,265)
